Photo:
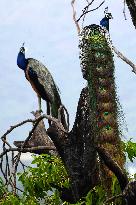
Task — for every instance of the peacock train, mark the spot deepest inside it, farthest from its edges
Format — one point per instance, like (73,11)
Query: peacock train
(98,69)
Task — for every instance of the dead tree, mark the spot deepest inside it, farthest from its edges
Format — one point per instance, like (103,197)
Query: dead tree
(86,151)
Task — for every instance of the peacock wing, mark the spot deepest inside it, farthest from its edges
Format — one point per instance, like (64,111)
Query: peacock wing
(41,78)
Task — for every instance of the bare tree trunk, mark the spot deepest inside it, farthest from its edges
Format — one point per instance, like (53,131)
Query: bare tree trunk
(77,150)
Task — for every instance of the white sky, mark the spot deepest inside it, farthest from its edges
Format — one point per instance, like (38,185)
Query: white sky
(50,36)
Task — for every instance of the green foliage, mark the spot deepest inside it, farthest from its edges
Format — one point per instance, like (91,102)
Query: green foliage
(115,188)
(10,199)
(130,148)
(49,171)
(38,185)
(38,182)
(2,188)
(96,196)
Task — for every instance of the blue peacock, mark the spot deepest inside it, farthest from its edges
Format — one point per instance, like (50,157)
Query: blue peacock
(42,82)
(105,21)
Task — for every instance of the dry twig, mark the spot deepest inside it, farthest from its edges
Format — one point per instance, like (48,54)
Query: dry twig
(120,54)
(124,10)
(85,10)
(28,149)
(35,124)
(10,176)
(35,121)
(74,17)
(125,59)
(3,138)
(85,15)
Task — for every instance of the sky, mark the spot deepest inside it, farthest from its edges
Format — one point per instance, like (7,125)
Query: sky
(50,36)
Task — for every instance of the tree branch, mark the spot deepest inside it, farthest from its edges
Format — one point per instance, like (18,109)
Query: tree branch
(28,149)
(113,198)
(125,59)
(35,121)
(74,17)
(85,11)
(15,126)
(113,166)
(132,9)
(124,10)
(11,177)
(119,54)
(62,107)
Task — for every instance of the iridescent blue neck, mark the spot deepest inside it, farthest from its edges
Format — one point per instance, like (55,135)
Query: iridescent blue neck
(106,19)
(21,61)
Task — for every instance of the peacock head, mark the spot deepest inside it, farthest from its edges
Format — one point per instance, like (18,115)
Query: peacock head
(21,60)
(108,16)
(22,49)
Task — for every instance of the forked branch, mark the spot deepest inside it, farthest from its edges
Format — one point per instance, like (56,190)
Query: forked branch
(85,10)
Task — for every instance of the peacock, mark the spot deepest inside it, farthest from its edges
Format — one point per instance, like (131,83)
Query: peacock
(42,83)
(105,21)
(98,69)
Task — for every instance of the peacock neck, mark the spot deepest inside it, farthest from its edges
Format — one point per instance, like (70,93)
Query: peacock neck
(106,19)
(22,61)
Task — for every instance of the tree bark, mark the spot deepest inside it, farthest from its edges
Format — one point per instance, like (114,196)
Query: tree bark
(132,8)
(39,138)
(77,150)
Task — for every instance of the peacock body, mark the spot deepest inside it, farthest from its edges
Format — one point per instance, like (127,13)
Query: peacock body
(41,81)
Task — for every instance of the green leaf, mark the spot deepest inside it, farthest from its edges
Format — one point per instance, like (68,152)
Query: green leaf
(130,148)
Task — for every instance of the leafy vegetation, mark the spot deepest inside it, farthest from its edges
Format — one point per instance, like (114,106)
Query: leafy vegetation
(39,182)
(130,148)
